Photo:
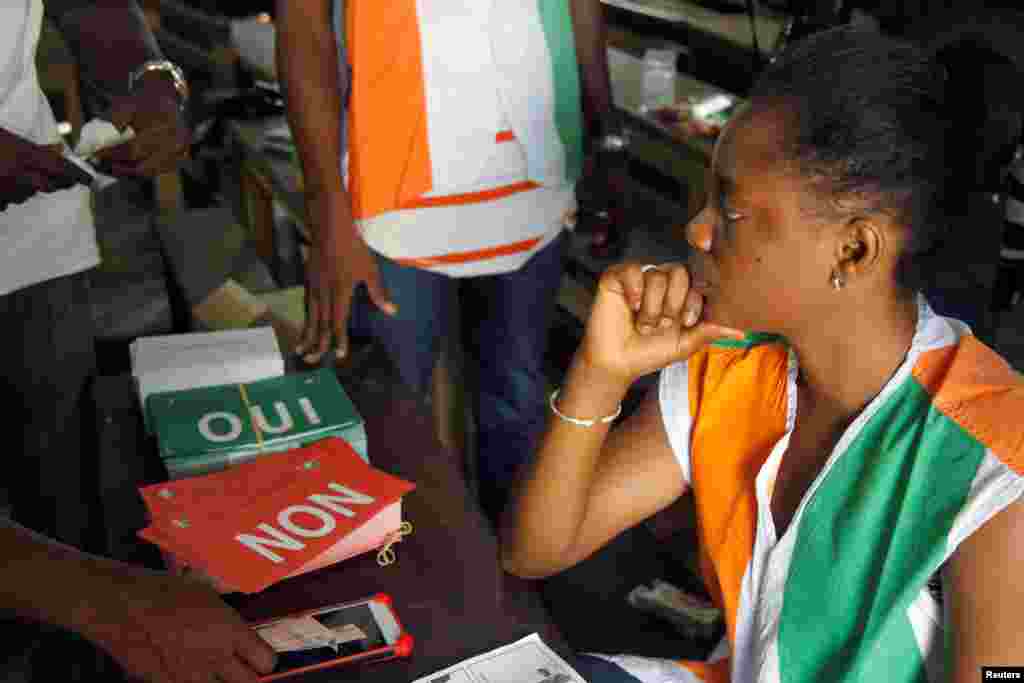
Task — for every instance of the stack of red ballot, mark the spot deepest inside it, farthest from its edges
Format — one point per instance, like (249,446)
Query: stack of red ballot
(257,523)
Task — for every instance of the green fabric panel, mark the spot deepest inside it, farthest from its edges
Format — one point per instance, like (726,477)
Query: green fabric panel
(557,20)
(875,531)
(752,339)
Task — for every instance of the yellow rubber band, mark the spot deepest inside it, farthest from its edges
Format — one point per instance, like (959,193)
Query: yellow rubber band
(386,555)
(252,420)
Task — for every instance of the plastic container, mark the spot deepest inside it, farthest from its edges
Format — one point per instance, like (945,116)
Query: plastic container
(659,79)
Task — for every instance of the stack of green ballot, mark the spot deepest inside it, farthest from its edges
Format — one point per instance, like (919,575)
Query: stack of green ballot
(208,429)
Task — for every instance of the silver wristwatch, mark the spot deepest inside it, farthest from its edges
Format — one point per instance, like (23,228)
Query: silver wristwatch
(172,70)
(614,141)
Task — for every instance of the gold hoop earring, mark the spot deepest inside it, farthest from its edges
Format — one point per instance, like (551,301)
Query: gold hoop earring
(837,281)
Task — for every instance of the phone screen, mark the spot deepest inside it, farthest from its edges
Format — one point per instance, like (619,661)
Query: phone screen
(324,636)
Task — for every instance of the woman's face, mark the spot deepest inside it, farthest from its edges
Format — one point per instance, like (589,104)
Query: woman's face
(760,258)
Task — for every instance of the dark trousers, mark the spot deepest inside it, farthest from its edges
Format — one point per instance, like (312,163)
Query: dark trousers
(506,320)
(597,670)
(48,362)
(48,359)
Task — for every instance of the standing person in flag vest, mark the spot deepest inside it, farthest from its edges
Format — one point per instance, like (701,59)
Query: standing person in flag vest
(841,457)
(158,627)
(441,140)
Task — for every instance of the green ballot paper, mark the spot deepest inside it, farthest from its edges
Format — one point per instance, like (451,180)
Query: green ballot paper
(208,429)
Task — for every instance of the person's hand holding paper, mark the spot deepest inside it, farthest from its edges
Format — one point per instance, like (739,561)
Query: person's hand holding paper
(161,139)
(27,169)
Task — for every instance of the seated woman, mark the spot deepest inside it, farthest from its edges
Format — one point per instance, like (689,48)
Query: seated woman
(838,463)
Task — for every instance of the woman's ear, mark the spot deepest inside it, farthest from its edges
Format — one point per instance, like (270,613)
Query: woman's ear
(860,247)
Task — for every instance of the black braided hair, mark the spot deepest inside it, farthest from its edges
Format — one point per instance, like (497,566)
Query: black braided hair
(869,120)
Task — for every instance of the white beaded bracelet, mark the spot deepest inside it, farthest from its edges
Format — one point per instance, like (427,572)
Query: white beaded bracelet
(575,420)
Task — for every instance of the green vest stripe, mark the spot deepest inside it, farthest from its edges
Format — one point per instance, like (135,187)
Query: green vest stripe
(881,520)
(558,31)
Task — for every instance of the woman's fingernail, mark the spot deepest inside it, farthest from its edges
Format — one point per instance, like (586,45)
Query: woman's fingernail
(665,323)
(340,352)
(644,328)
(690,319)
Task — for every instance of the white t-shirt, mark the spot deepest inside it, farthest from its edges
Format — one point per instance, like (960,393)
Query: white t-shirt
(49,235)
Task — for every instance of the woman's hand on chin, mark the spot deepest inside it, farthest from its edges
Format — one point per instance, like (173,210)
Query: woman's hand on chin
(645,318)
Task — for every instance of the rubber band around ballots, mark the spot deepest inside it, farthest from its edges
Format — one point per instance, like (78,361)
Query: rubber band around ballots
(252,418)
(386,555)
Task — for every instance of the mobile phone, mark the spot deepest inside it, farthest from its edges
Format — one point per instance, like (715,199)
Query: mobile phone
(367,630)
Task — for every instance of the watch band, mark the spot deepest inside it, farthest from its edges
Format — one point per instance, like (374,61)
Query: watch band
(175,73)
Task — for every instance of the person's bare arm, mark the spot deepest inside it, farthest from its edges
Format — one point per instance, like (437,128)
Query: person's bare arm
(110,40)
(986,597)
(569,507)
(160,628)
(307,62)
(591,35)
(585,486)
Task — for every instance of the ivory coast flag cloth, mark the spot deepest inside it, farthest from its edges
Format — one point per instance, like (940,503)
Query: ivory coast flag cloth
(253,525)
(465,131)
(842,594)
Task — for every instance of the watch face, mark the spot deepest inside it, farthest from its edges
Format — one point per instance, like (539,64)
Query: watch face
(613,142)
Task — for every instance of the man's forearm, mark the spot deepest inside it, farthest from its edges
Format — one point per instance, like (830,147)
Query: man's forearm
(43,580)
(591,49)
(110,39)
(307,63)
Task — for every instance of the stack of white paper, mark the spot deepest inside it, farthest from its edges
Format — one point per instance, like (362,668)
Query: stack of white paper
(528,660)
(204,359)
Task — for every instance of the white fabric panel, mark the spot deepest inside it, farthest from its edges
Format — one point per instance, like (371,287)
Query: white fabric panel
(418,233)
(461,127)
(526,87)
(674,399)
(926,621)
(995,486)
(49,235)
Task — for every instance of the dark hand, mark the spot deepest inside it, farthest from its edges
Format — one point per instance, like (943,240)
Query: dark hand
(167,629)
(338,261)
(27,169)
(162,137)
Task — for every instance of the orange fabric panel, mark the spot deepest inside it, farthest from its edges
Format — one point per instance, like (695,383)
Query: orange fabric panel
(976,388)
(467,256)
(718,671)
(388,143)
(739,399)
(472,197)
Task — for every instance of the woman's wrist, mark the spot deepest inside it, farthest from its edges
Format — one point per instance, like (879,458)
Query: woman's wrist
(590,392)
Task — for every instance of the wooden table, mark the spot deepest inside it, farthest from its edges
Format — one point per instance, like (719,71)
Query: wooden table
(448,587)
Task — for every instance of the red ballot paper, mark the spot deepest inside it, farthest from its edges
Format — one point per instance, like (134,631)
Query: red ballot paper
(257,523)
